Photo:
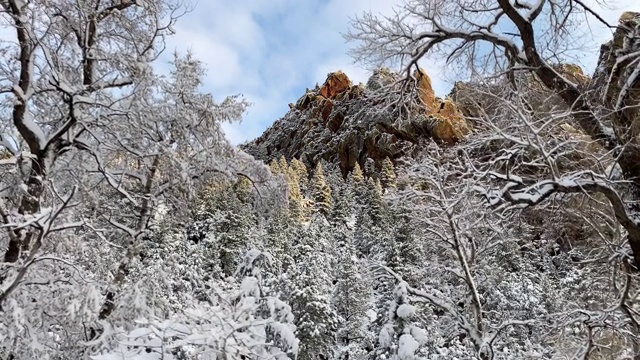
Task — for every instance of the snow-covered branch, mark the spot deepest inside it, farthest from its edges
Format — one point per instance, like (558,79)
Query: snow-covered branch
(514,192)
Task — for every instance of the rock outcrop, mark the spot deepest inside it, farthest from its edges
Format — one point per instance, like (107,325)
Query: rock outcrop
(344,123)
(573,73)
(616,79)
(335,84)
(347,124)
(425,90)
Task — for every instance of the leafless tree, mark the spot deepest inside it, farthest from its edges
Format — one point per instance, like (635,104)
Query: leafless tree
(525,158)
(100,146)
(504,37)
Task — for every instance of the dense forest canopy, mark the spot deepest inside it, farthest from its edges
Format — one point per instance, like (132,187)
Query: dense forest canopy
(373,221)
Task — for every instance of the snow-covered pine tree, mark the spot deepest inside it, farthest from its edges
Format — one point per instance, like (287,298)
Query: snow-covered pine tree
(310,292)
(401,338)
(364,234)
(274,165)
(342,207)
(350,299)
(279,326)
(284,165)
(243,189)
(226,216)
(356,186)
(388,174)
(371,220)
(373,201)
(300,169)
(369,167)
(356,176)
(296,199)
(404,254)
(320,191)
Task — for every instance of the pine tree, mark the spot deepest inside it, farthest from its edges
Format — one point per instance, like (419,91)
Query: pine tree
(284,165)
(404,254)
(356,186)
(388,174)
(278,241)
(373,201)
(365,233)
(379,190)
(369,167)
(310,293)
(400,337)
(320,191)
(234,238)
(243,188)
(296,200)
(274,165)
(300,169)
(279,328)
(226,217)
(356,176)
(350,300)
(341,211)
(372,221)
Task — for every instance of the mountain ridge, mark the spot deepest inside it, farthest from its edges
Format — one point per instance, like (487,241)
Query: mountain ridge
(345,123)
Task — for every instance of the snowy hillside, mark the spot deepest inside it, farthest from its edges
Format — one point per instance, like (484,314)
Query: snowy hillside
(372,221)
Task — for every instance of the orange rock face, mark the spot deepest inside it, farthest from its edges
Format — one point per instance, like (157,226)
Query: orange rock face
(449,110)
(449,131)
(336,83)
(445,123)
(449,125)
(425,89)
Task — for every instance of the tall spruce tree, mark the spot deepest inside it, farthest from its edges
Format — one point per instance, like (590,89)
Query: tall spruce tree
(388,174)
(300,169)
(341,211)
(234,233)
(226,220)
(284,165)
(279,329)
(320,191)
(310,292)
(274,165)
(373,201)
(296,200)
(356,176)
(350,301)
(403,252)
(278,241)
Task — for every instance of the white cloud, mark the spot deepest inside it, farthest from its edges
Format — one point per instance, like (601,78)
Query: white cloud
(221,60)
(272,50)
(269,51)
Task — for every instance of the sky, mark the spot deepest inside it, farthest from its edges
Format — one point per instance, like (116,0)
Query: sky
(271,51)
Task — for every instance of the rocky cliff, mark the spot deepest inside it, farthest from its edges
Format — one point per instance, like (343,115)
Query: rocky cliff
(344,123)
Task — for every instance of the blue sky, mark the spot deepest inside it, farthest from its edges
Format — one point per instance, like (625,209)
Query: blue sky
(270,51)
